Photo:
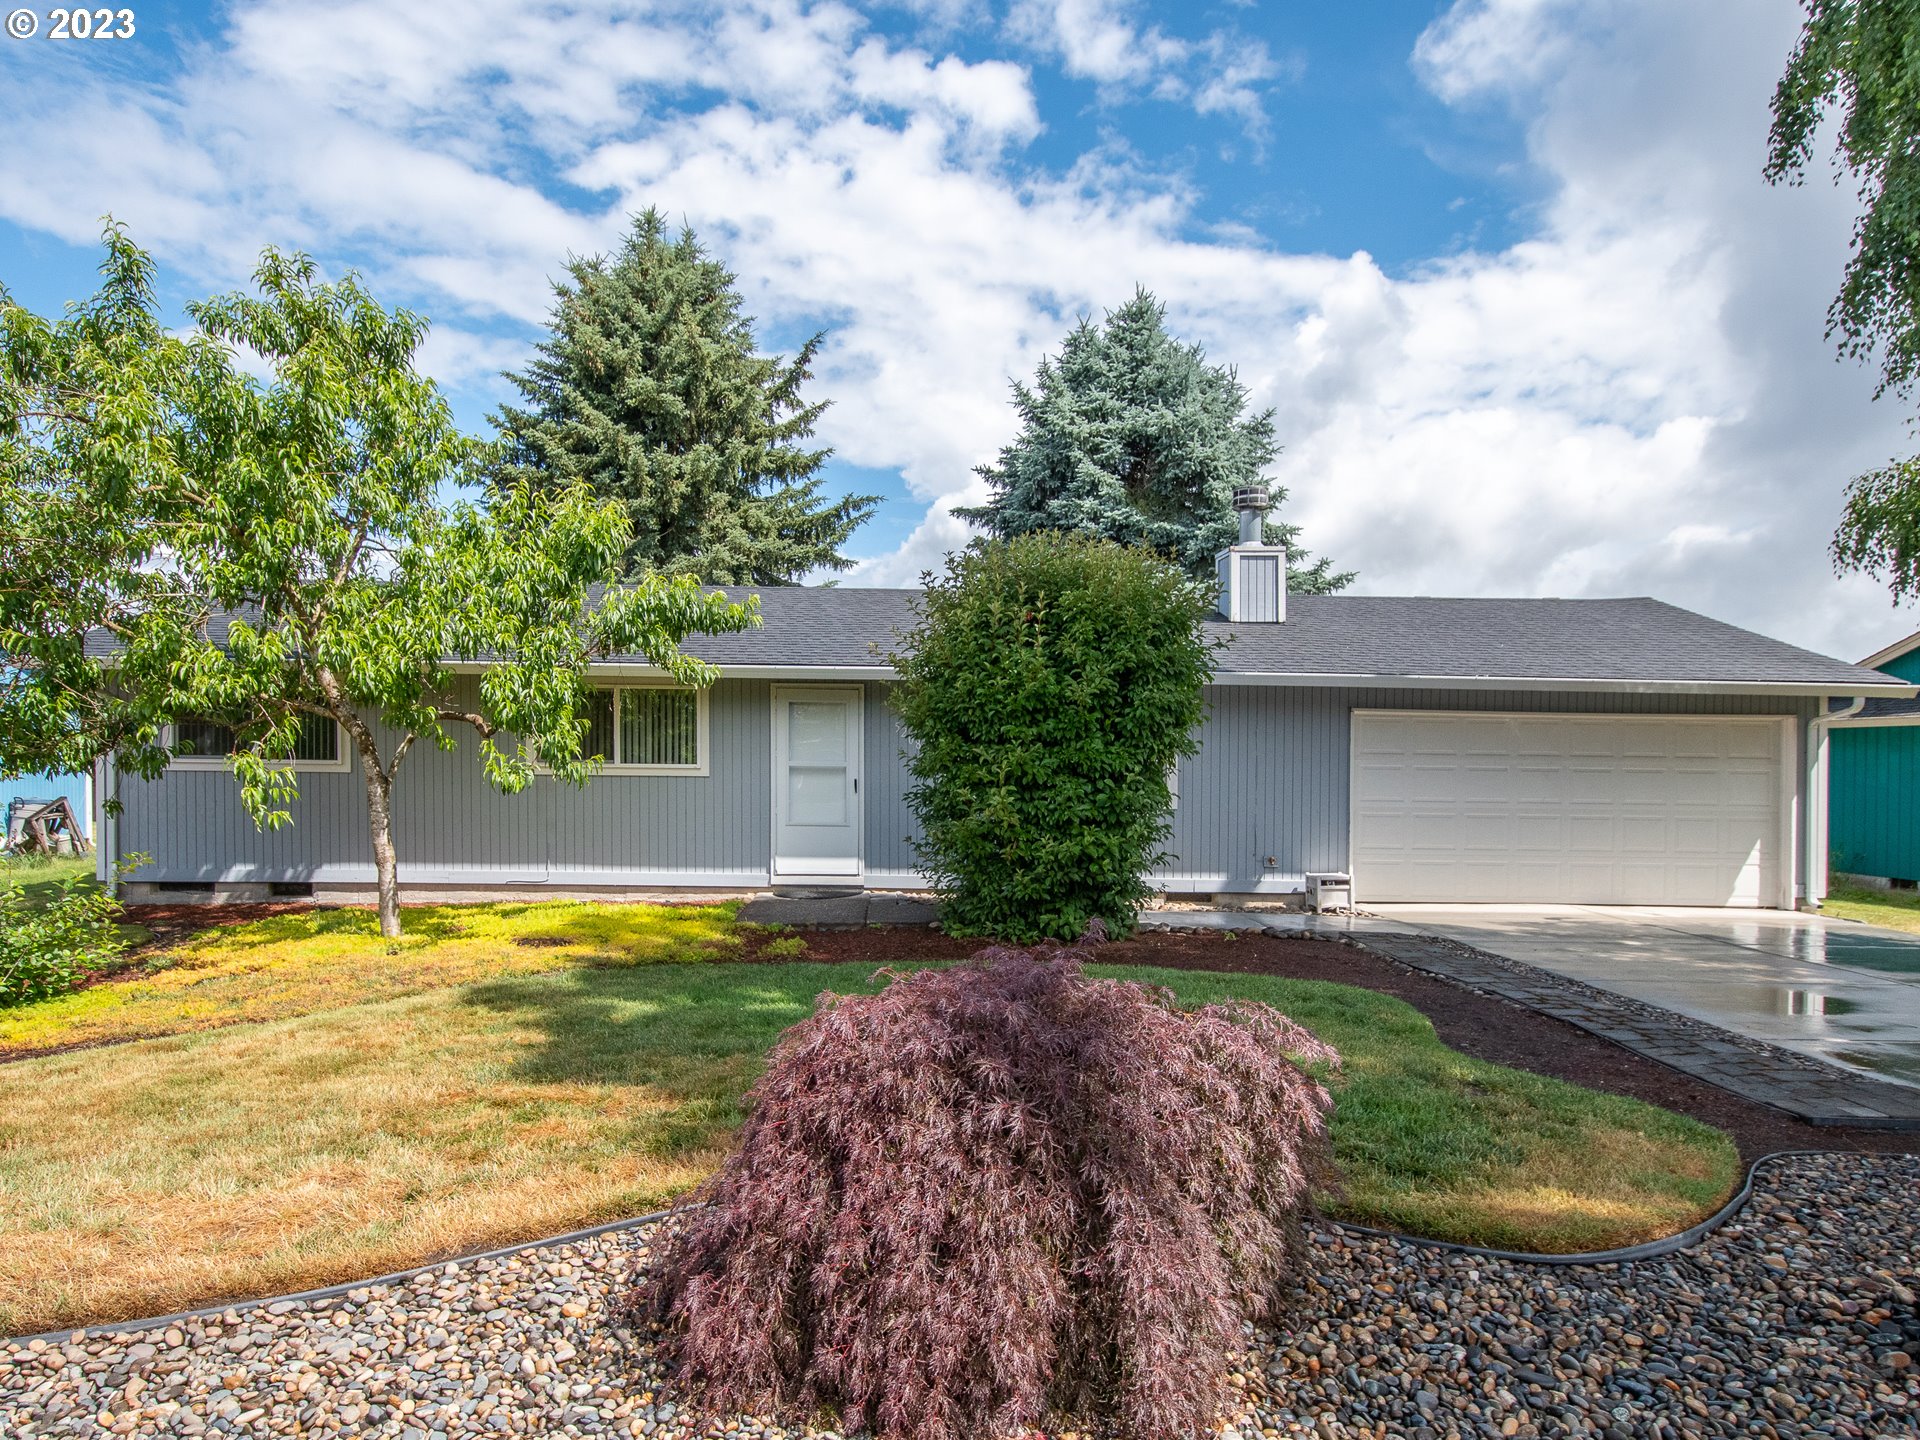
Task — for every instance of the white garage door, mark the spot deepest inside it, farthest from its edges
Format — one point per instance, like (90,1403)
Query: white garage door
(1577,809)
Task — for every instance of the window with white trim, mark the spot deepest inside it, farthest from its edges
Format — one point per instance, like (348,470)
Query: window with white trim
(649,729)
(200,743)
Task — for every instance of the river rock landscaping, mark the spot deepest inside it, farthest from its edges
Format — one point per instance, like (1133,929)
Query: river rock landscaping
(1797,1319)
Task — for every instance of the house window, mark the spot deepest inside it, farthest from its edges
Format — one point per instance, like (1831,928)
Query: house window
(202,743)
(657,729)
(202,738)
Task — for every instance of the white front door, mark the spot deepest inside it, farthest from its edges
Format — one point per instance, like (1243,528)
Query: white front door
(816,780)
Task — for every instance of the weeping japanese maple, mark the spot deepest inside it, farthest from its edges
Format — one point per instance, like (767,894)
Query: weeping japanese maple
(996,1193)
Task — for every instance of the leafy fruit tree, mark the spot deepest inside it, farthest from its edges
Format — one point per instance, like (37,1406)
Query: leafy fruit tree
(1864,57)
(184,541)
(1130,435)
(649,390)
(1049,688)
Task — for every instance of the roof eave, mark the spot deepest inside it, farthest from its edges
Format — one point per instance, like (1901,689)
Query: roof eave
(1595,684)
(1330,681)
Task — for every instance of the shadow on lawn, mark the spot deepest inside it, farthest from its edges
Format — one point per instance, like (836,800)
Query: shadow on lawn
(694,1036)
(657,1024)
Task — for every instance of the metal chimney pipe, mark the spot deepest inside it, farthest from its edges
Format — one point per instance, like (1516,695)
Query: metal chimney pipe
(1252,502)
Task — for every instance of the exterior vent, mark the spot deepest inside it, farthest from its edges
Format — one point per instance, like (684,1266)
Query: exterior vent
(1251,503)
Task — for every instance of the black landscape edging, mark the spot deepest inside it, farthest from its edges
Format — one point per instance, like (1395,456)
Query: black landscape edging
(331,1292)
(1650,1250)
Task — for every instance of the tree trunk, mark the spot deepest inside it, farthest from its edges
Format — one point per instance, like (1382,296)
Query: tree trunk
(380,822)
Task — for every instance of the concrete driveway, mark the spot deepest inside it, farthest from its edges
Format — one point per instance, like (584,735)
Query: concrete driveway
(1847,993)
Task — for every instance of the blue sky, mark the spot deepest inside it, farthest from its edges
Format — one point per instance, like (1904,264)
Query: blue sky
(1505,268)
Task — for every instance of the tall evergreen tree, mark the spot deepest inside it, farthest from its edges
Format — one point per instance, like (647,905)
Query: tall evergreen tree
(1129,434)
(650,390)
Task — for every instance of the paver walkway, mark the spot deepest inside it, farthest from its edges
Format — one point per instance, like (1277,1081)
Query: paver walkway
(1812,1090)
(1807,1088)
(1804,1087)
(1836,991)
(852,911)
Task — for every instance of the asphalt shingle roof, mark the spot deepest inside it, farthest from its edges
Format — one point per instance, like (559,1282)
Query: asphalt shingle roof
(1379,636)
(1373,636)
(1890,710)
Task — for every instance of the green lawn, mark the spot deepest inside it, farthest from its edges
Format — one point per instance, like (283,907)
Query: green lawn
(40,879)
(339,1140)
(1895,909)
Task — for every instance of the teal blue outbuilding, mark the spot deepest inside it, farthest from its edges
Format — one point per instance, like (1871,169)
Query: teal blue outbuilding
(1873,759)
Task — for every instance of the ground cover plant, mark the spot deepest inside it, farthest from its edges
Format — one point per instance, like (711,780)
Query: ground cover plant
(354,1136)
(1050,686)
(311,960)
(997,1192)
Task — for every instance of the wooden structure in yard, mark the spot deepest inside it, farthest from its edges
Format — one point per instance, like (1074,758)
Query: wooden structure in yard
(45,827)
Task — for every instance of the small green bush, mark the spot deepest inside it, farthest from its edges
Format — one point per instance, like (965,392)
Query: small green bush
(1051,684)
(47,947)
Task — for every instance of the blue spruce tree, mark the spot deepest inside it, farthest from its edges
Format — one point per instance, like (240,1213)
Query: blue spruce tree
(1130,435)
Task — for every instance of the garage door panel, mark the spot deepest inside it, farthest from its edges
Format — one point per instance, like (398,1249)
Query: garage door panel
(1595,810)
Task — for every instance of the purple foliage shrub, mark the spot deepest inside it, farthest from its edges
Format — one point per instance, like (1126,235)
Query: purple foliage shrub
(994,1193)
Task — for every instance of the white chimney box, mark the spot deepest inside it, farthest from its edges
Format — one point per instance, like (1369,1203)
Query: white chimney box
(1253,574)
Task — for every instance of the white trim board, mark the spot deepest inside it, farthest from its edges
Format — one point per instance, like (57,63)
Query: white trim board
(523,877)
(1892,652)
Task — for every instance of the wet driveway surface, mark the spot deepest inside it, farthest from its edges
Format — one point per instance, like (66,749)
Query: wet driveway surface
(1846,993)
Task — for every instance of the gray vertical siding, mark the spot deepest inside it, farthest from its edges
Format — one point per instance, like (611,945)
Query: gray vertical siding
(450,825)
(890,826)
(1271,780)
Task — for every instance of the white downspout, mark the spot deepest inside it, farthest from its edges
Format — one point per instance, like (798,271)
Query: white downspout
(92,805)
(1817,797)
(106,839)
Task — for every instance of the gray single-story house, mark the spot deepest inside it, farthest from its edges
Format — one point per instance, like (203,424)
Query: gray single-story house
(1591,751)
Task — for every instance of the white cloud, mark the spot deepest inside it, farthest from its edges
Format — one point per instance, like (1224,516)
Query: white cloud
(1636,399)
(1097,39)
(1105,41)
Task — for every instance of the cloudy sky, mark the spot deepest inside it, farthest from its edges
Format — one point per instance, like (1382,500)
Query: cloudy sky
(1506,269)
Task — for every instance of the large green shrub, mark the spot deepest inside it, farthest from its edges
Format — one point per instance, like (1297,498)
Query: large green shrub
(47,946)
(1051,684)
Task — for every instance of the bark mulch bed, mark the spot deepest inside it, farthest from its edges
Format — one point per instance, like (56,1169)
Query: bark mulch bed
(171,924)
(1482,1026)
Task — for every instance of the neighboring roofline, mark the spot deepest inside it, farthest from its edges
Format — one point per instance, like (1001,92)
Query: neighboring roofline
(1892,652)
(1353,681)
(1861,722)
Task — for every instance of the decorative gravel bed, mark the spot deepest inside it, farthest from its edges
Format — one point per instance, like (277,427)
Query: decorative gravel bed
(1798,1319)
